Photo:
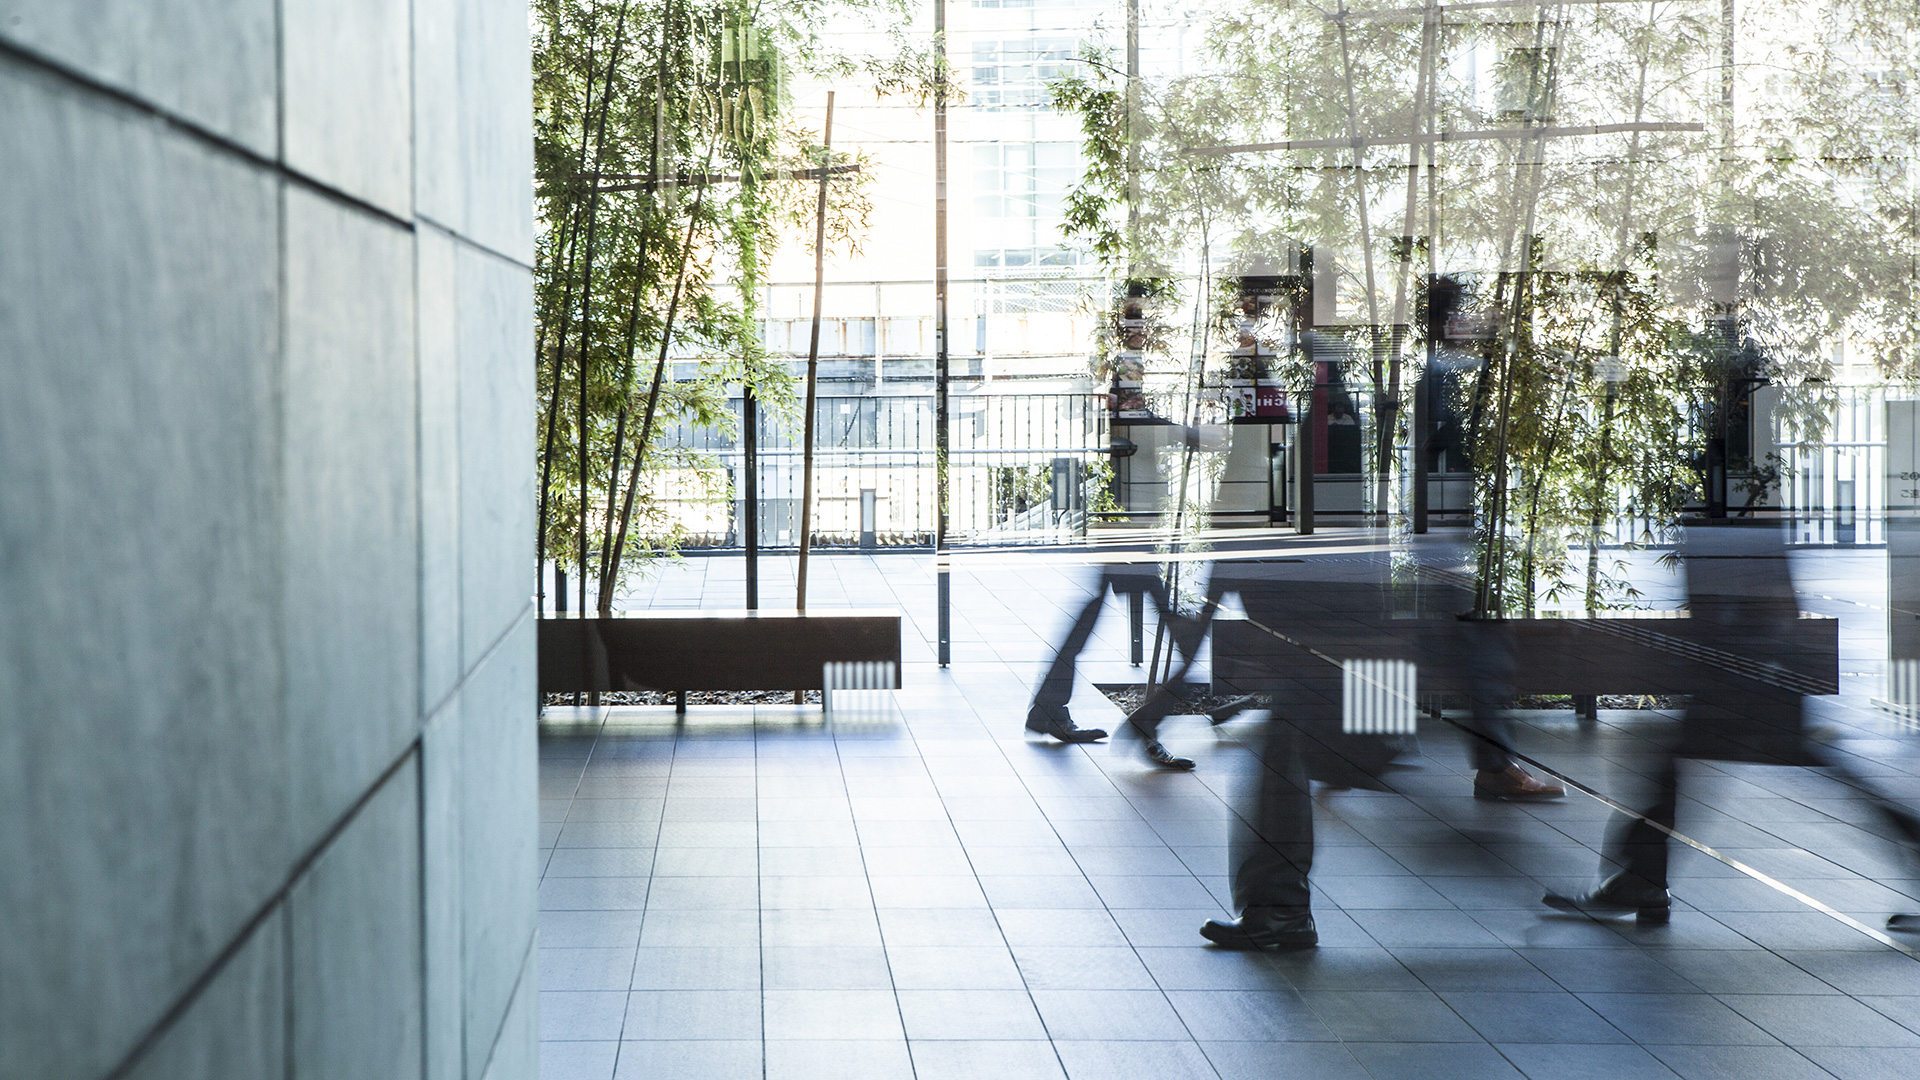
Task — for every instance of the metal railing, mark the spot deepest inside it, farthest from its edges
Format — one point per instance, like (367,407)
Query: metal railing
(1003,451)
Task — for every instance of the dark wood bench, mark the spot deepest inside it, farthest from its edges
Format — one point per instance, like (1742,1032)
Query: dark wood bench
(678,651)
(1626,652)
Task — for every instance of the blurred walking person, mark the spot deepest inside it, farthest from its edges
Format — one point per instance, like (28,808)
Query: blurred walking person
(1740,588)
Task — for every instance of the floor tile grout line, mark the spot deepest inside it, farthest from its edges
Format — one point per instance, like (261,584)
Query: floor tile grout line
(1752,872)
(1382,946)
(626,1004)
(1656,956)
(1052,1043)
(574,797)
(1104,906)
(760,898)
(1319,804)
(860,846)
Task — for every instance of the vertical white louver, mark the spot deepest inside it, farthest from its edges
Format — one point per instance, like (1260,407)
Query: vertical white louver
(1378,697)
(1902,703)
(857,687)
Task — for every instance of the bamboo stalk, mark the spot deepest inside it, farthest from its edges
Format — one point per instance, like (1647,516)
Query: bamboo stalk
(560,338)
(1615,287)
(1490,593)
(1374,367)
(607,559)
(1387,412)
(653,400)
(813,358)
(1196,371)
(609,562)
(586,301)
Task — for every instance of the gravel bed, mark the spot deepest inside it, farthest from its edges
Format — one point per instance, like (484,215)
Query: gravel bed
(694,697)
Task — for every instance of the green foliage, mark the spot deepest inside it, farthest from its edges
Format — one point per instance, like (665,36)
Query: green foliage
(1759,208)
(1100,498)
(664,151)
(1019,488)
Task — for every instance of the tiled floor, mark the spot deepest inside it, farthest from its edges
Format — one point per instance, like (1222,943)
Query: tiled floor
(924,892)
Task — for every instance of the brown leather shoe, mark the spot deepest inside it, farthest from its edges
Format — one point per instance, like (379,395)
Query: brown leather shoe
(1514,784)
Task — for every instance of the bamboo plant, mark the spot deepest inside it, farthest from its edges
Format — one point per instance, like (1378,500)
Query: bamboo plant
(666,152)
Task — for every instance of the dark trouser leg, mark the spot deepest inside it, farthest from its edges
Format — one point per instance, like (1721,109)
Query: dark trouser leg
(1486,655)
(1488,753)
(1271,856)
(1186,631)
(1056,689)
(1641,848)
(1186,634)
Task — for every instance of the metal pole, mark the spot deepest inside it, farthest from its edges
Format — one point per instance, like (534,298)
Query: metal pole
(1133,130)
(1304,468)
(750,432)
(1422,386)
(942,568)
(813,358)
(1303,448)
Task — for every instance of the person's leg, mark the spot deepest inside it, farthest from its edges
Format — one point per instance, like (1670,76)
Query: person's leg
(1271,855)
(1486,655)
(1639,844)
(1185,633)
(1048,712)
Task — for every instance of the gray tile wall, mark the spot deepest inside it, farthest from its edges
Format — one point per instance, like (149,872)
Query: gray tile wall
(266,687)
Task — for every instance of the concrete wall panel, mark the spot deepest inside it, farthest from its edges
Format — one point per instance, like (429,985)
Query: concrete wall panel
(496,443)
(212,62)
(354,932)
(440,837)
(352,592)
(439,359)
(268,504)
(496,126)
(499,822)
(347,98)
(517,1054)
(142,757)
(473,122)
(237,1028)
(439,191)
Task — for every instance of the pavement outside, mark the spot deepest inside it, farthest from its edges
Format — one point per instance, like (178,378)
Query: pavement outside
(922,890)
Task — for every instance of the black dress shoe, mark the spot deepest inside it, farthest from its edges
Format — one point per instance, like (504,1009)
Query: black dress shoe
(1618,895)
(1906,921)
(1158,753)
(1264,928)
(1062,727)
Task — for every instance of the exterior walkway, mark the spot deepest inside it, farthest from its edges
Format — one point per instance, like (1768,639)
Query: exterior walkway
(924,892)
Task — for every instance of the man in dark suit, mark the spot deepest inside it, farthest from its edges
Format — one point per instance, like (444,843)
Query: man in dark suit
(1304,618)
(1482,649)
(1739,584)
(1048,713)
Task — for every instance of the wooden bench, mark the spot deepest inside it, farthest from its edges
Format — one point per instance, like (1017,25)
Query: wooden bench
(1625,652)
(717,650)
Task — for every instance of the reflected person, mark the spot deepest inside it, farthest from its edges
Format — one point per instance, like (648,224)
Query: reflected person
(1743,707)
(1048,713)
(1482,647)
(1302,621)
